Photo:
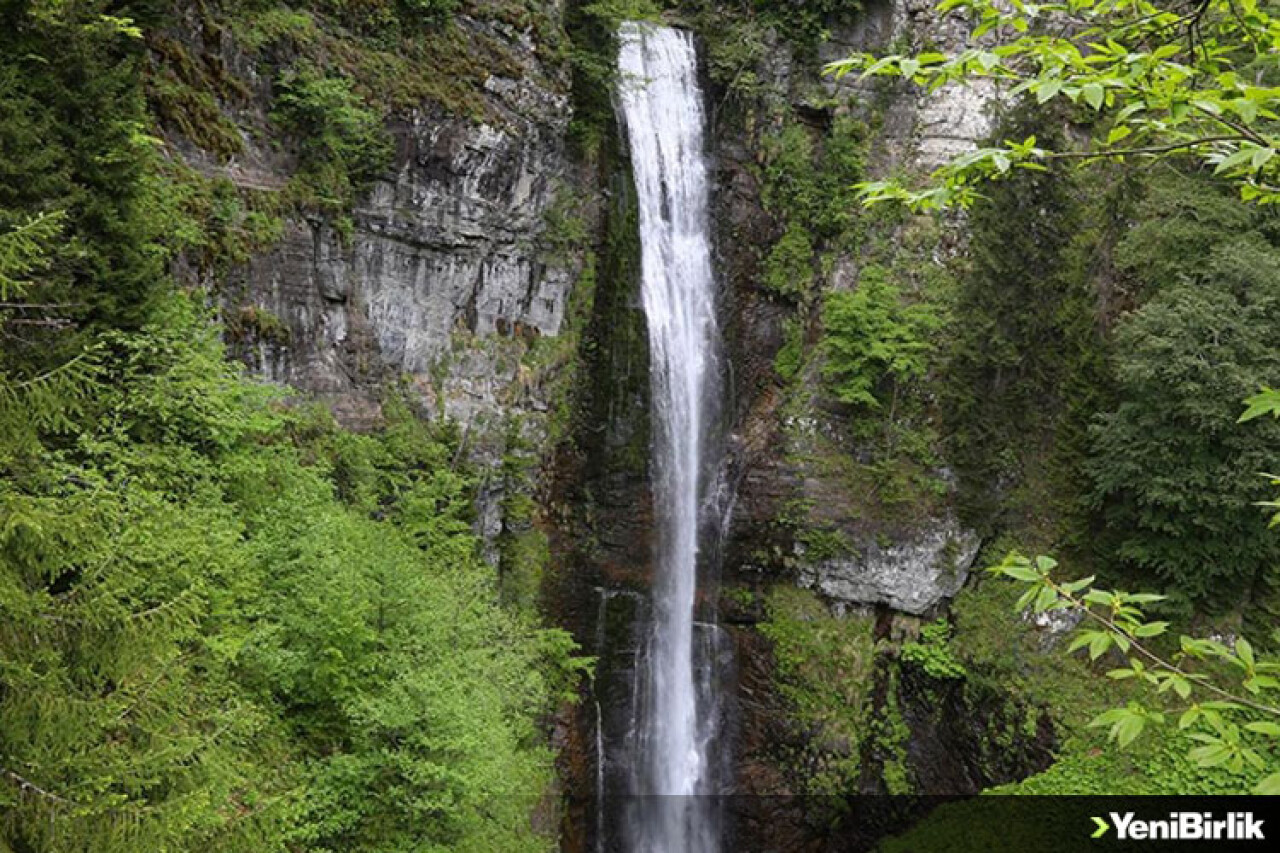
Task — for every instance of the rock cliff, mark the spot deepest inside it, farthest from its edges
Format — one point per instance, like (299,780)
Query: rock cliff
(444,272)
(799,463)
(489,269)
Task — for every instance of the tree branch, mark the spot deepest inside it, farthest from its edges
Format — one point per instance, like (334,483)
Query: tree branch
(27,785)
(1155,658)
(1150,149)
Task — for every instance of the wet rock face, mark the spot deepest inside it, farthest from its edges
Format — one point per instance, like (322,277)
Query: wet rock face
(911,573)
(795,462)
(923,129)
(447,244)
(444,255)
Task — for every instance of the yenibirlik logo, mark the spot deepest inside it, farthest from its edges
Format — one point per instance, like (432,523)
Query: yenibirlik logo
(1183,826)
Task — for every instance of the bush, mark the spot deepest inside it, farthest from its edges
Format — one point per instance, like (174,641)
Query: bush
(343,145)
(788,269)
(873,339)
(932,652)
(824,669)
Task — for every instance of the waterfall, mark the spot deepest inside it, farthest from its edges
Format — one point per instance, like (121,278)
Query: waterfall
(675,723)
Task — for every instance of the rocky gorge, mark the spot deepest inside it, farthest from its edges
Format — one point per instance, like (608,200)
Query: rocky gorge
(646,425)
(489,268)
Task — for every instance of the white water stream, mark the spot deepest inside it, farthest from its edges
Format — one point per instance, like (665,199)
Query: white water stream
(660,104)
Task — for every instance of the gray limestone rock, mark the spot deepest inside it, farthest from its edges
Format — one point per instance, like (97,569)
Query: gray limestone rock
(922,129)
(911,573)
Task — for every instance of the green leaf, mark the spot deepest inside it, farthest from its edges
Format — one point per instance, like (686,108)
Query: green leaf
(1118,133)
(1245,651)
(1093,95)
(1076,586)
(1265,402)
(1046,597)
(1024,600)
(1211,755)
(1047,89)
(1081,640)
(1128,729)
(1263,727)
(1235,158)
(1109,717)
(1021,573)
(1270,786)
(1246,109)
(1207,106)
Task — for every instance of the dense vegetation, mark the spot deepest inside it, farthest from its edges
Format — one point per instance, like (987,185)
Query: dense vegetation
(1104,329)
(225,622)
(231,623)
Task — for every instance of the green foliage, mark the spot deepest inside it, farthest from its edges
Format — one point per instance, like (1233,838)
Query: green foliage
(824,666)
(524,550)
(819,544)
(387,17)
(564,235)
(788,268)
(611,13)
(72,122)
(430,10)
(735,46)
(808,183)
(891,734)
(186,94)
(228,625)
(805,24)
(211,221)
(225,623)
(343,143)
(1152,81)
(1225,693)
(873,341)
(278,25)
(932,652)
(1013,656)
(1174,475)
(1024,358)
(49,400)
(790,357)
(394,56)
(593,33)
(24,250)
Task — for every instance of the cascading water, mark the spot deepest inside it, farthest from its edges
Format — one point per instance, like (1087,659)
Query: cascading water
(675,719)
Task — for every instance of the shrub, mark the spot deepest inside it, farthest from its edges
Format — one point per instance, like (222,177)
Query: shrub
(873,339)
(343,145)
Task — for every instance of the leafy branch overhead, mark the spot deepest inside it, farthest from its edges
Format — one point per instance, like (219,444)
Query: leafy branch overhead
(1194,78)
(1225,694)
